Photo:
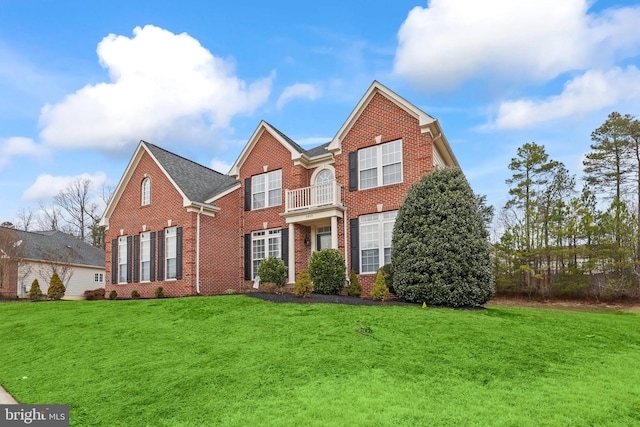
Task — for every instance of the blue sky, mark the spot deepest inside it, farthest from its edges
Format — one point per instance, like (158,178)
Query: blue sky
(81,83)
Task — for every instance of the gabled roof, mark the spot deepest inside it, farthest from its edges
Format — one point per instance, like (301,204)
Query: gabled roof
(198,185)
(298,154)
(425,121)
(50,246)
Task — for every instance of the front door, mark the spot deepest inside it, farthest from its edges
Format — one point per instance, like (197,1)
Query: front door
(323,238)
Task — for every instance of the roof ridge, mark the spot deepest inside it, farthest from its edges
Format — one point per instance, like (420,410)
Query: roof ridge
(299,147)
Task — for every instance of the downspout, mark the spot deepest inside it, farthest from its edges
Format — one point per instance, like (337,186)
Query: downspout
(198,252)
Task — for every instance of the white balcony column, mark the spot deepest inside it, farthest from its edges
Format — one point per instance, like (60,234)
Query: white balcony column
(292,253)
(334,232)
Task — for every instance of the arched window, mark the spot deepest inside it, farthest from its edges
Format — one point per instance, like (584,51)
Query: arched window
(324,187)
(146,191)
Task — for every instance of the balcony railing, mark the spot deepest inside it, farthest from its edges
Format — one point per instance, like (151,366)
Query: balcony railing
(313,196)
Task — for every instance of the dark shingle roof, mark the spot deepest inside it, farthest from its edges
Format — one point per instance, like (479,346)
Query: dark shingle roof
(197,182)
(313,152)
(52,245)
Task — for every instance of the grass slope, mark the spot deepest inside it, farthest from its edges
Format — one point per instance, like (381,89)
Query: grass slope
(239,361)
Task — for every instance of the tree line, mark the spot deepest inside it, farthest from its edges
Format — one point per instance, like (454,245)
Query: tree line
(564,238)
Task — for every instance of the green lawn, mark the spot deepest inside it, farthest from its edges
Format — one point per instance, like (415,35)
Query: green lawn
(235,360)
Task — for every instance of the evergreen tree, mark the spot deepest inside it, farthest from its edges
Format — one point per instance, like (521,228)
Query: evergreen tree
(440,251)
(56,287)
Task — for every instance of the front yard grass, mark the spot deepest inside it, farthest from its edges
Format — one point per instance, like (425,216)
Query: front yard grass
(239,361)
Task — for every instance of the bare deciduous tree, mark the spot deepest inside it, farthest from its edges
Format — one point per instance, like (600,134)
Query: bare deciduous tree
(80,211)
(26,219)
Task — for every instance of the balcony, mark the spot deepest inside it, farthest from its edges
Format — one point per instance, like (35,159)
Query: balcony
(313,197)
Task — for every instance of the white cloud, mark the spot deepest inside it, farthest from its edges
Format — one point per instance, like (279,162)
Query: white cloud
(451,41)
(47,186)
(298,90)
(19,146)
(160,84)
(220,166)
(589,92)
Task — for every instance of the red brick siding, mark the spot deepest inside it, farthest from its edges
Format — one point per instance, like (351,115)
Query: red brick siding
(9,280)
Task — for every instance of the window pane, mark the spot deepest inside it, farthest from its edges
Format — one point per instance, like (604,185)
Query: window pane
(368,158)
(258,200)
(387,255)
(274,246)
(392,174)
(145,271)
(391,152)
(368,178)
(171,268)
(370,260)
(275,197)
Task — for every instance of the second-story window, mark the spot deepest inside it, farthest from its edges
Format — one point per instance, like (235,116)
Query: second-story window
(380,165)
(266,190)
(146,192)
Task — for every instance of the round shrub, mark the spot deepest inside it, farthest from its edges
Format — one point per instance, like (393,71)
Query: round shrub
(327,271)
(56,288)
(135,294)
(440,247)
(303,286)
(272,270)
(380,290)
(113,295)
(354,289)
(159,292)
(35,294)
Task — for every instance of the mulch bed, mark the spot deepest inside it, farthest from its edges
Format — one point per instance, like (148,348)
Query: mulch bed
(288,297)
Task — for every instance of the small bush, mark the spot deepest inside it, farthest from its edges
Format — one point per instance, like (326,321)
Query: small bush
(230,292)
(387,270)
(272,270)
(35,294)
(354,289)
(269,287)
(303,286)
(380,290)
(159,292)
(113,295)
(56,288)
(327,271)
(95,294)
(135,294)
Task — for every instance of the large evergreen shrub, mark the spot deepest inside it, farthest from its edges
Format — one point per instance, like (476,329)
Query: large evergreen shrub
(273,270)
(35,294)
(327,271)
(440,250)
(56,287)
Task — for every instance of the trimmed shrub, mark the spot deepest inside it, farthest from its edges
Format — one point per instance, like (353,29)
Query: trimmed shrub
(35,294)
(303,286)
(135,294)
(440,247)
(159,292)
(269,287)
(354,289)
(56,287)
(95,294)
(113,295)
(272,270)
(327,271)
(380,290)
(387,270)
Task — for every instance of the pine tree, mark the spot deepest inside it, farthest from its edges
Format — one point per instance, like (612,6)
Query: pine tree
(35,294)
(56,288)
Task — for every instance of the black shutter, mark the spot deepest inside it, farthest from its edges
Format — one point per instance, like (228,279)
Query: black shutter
(355,245)
(152,257)
(353,171)
(129,258)
(161,255)
(114,261)
(179,253)
(284,236)
(247,256)
(136,258)
(247,194)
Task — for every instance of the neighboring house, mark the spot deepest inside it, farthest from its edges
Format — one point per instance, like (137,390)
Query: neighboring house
(277,200)
(37,255)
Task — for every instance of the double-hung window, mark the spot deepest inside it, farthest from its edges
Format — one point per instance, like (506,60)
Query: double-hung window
(266,190)
(122,259)
(264,244)
(146,192)
(376,231)
(145,257)
(171,253)
(380,165)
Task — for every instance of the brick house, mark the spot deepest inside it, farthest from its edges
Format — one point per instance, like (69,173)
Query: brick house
(277,200)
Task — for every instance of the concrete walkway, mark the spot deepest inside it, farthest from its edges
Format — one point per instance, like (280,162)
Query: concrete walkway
(6,398)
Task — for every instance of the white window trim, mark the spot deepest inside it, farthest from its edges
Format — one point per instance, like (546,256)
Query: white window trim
(145,199)
(379,165)
(145,237)
(170,233)
(267,189)
(265,235)
(98,277)
(381,221)
(122,255)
